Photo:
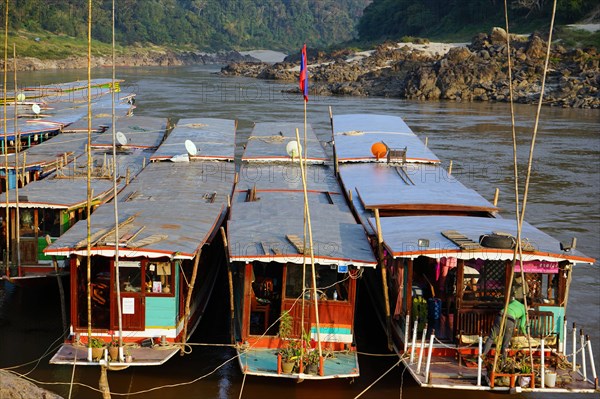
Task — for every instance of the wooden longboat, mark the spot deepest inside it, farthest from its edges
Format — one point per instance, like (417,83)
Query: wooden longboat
(169,245)
(437,283)
(49,207)
(266,253)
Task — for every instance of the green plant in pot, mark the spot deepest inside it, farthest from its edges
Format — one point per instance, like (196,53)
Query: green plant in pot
(113,350)
(289,350)
(97,348)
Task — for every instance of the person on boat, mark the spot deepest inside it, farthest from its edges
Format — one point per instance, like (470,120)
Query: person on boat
(515,313)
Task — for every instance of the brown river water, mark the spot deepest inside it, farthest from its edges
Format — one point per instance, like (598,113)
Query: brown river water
(563,201)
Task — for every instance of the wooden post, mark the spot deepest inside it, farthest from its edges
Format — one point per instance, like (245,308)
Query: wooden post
(230,280)
(103,383)
(450,168)
(335,159)
(496,195)
(388,321)
(188,300)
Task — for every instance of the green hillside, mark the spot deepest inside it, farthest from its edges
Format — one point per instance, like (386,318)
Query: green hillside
(201,24)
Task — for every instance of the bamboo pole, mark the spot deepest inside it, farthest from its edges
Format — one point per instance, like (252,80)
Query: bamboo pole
(115,190)
(188,300)
(89,183)
(5,146)
(17,148)
(335,158)
(388,321)
(230,281)
(311,250)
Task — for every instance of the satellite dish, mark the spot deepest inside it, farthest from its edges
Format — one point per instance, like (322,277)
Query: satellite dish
(191,148)
(121,139)
(293,148)
(36,109)
(20,97)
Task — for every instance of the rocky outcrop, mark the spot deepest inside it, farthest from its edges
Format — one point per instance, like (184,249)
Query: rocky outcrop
(475,72)
(13,387)
(132,59)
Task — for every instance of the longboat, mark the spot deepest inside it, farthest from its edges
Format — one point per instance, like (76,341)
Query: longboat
(445,256)
(269,260)
(50,206)
(169,245)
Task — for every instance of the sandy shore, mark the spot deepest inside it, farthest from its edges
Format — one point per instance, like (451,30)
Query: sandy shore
(265,55)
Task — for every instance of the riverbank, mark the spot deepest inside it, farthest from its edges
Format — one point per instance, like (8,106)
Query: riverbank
(476,71)
(13,387)
(153,57)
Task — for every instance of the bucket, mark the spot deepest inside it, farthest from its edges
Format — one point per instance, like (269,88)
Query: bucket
(550,379)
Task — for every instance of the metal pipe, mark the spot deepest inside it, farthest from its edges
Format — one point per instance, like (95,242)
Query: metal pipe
(406,328)
(542,364)
(583,365)
(589,345)
(574,348)
(422,349)
(563,343)
(428,365)
(479,360)
(414,338)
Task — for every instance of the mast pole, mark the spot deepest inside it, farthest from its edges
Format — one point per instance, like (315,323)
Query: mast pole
(17,148)
(5,145)
(115,192)
(89,183)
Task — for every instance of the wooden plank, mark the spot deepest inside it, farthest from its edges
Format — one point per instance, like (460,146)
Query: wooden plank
(296,242)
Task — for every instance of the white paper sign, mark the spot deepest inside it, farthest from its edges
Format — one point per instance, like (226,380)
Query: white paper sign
(128,305)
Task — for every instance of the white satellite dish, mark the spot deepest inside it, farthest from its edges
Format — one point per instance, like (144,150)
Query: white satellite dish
(20,97)
(191,148)
(36,109)
(293,148)
(121,139)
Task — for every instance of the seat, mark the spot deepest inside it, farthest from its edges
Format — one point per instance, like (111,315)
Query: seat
(263,307)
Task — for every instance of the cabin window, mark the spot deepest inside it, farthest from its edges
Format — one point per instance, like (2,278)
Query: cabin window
(49,222)
(159,278)
(27,223)
(484,281)
(331,285)
(130,276)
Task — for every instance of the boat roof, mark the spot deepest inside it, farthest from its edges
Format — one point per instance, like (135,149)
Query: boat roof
(410,187)
(401,235)
(66,188)
(140,131)
(212,137)
(52,151)
(27,128)
(354,134)
(75,85)
(285,177)
(262,230)
(189,214)
(268,141)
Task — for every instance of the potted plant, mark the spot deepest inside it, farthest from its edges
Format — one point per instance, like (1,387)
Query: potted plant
(289,349)
(97,348)
(128,357)
(113,350)
(311,361)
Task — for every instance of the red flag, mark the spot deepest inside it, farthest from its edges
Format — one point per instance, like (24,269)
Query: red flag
(304,74)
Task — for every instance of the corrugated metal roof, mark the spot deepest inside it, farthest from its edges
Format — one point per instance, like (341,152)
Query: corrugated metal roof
(258,230)
(141,132)
(356,133)
(401,235)
(268,142)
(426,187)
(213,139)
(51,150)
(285,177)
(178,205)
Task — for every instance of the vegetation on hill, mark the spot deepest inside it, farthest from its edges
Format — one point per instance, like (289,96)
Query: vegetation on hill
(203,24)
(459,20)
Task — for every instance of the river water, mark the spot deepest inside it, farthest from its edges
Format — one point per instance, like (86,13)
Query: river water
(563,201)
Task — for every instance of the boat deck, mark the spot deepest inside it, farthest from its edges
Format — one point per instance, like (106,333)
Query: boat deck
(154,356)
(263,362)
(446,372)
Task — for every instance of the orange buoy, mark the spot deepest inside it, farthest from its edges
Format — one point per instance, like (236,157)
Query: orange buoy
(379,150)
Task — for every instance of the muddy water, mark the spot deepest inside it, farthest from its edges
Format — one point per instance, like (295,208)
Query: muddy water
(563,201)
